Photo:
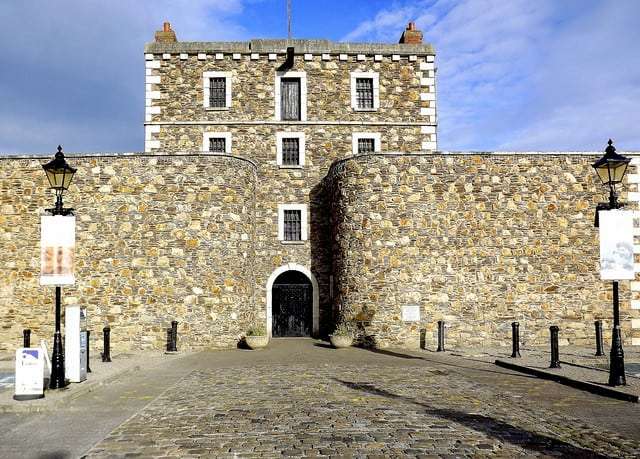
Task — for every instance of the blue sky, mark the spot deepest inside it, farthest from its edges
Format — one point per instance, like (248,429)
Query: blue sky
(512,74)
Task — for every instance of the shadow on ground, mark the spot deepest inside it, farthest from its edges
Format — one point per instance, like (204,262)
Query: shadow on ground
(502,431)
(448,364)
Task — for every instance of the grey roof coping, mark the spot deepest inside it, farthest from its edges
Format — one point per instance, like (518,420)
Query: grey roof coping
(48,156)
(280,46)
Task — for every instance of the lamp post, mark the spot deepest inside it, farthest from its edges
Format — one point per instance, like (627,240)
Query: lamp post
(611,169)
(59,174)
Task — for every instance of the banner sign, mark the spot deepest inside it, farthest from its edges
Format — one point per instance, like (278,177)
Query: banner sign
(616,245)
(57,246)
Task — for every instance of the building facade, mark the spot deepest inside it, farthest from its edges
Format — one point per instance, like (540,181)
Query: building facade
(290,183)
(293,107)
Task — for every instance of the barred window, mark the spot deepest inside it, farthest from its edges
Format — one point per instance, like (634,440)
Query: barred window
(218,145)
(218,92)
(290,152)
(366,145)
(292,225)
(364,92)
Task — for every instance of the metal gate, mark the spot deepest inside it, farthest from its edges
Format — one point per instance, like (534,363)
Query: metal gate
(292,305)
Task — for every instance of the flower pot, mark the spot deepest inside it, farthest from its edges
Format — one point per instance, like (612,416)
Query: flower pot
(257,342)
(341,341)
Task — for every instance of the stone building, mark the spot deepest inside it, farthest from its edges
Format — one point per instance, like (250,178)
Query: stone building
(292,182)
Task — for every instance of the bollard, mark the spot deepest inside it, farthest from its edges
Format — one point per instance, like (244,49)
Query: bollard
(440,336)
(555,352)
(515,338)
(423,338)
(106,355)
(26,337)
(599,343)
(88,348)
(169,339)
(174,336)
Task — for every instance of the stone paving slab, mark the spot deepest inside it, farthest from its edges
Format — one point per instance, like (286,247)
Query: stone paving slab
(101,373)
(408,409)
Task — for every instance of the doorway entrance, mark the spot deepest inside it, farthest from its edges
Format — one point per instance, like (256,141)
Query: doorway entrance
(292,304)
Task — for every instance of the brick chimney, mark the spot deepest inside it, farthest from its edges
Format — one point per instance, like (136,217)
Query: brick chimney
(411,35)
(166,35)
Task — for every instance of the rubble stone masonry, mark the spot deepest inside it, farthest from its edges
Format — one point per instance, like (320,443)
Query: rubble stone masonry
(478,240)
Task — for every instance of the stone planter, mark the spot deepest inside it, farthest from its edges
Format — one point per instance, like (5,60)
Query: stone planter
(257,342)
(341,341)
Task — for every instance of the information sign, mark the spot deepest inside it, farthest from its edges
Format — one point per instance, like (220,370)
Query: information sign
(29,373)
(411,313)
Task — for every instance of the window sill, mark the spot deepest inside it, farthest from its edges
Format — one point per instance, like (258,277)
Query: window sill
(365,109)
(282,166)
(216,109)
(293,242)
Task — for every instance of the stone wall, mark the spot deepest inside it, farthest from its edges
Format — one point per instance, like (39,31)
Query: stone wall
(476,240)
(158,238)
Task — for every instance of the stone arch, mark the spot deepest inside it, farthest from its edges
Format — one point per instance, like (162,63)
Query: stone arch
(315,313)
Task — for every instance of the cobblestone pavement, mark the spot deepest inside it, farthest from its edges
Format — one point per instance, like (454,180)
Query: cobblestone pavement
(359,404)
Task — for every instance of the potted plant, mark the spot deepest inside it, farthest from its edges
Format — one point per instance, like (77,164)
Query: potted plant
(342,336)
(256,337)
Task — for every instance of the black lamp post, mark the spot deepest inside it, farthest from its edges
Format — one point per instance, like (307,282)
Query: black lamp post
(611,169)
(59,174)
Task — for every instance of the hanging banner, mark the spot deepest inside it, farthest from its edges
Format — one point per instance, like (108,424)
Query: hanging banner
(57,246)
(616,245)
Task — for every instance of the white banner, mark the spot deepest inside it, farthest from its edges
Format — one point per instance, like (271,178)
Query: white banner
(616,245)
(57,247)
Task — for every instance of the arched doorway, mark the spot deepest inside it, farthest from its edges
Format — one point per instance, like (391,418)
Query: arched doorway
(292,302)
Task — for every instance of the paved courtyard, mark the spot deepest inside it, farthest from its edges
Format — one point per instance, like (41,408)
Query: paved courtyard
(299,398)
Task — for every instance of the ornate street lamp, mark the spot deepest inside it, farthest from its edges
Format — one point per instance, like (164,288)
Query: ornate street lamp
(59,174)
(611,169)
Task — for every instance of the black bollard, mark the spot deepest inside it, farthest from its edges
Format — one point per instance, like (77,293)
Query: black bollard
(555,352)
(440,336)
(515,338)
(169,339)
(26,337)
(88,348)
(174,336)
(423,338)
(599,344)
(106,355)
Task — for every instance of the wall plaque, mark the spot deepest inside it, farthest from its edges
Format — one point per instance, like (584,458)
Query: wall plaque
(411,313)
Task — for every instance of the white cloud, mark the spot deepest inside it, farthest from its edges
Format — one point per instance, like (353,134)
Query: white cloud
(73,70)
(527,75)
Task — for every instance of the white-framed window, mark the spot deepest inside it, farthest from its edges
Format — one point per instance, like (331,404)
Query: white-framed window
(365,142)
(217,90)
(292,223)
(216,142)
(291,96)
(365,91)
(290,149)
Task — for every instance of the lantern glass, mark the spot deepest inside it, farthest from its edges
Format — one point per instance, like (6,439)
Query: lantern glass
(617,171)
(603,173)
